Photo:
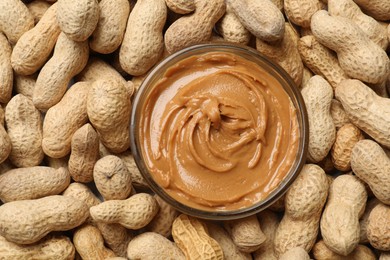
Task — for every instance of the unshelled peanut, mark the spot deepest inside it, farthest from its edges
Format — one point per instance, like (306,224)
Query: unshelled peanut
(6,73)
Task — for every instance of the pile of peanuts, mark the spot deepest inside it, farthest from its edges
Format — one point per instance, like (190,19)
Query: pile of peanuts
(69,186)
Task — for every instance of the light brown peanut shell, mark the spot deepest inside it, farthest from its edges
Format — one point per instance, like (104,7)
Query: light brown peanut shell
(378,9)
(51,247)
(196,27)
(181,6)
(6,72)
(365,109)
(35,46)
(322,252)
(63,120)
(230,250)
(358,56)
(296,253)
(370,163)
(340,227)
(285,53)
(112,179)
(27,221)
(191,236)
(69,58)
(143,41)
(318,96)
(78,18)
(89,243)
(84,153)
(231,29)
(304,202)
(300,12)
(5,141)
(246,233)
(151,246)
(37,9)
(25,84)
(32,183)
(338,114)
(347,136)
(15,19)
(364,219)
(108,108)
(321,60)
(133,213)
(375,30)
(261,17)
(108,35)
(162,222)
(378,227)
(269,222)
(24,127)
(116,237)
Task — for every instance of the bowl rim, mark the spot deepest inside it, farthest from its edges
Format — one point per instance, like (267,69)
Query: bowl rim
(285,183)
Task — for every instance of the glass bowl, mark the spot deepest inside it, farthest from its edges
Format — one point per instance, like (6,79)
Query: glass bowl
(146,124)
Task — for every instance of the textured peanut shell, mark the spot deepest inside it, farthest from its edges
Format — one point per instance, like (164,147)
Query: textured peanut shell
(321,60)
(370,163)
(230,250)
(304,202)
(63,120)
(34,47)
(300,12)
(110,29)
(151,246)
(269,222)
(143,40)
(68,59)
(246,233)
(84,153)
(358,56)
(25,84)
(364,219)
(24,127)
(32,183)
(37,8)
(295,253)
(231,29)
(108,108)
(378,227)
(375,30)
(347,136)
(99,69)
(318,96)
(338,114)
(133,213)
(181,6)
(378,9)
(51,247)
(112,179)
(89,243)
(367,110)
(340,220)
(136,177)
(162,222)
(261,17)
(196,27)
(285,53)
(78,18)
(322,252)
(6,73)
(116,237)
(384,256)
(191,236)
(27,221)
(5,141)
(15,19)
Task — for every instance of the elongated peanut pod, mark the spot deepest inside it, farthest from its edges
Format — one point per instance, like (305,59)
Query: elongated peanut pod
(34,47)
(6,73)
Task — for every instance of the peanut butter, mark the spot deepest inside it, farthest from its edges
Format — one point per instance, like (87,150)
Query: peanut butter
(218,132)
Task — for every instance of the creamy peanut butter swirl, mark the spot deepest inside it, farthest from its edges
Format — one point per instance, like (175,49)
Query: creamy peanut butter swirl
(218,132)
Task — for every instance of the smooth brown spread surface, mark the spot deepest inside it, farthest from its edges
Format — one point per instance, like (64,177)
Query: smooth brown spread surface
(218,132)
